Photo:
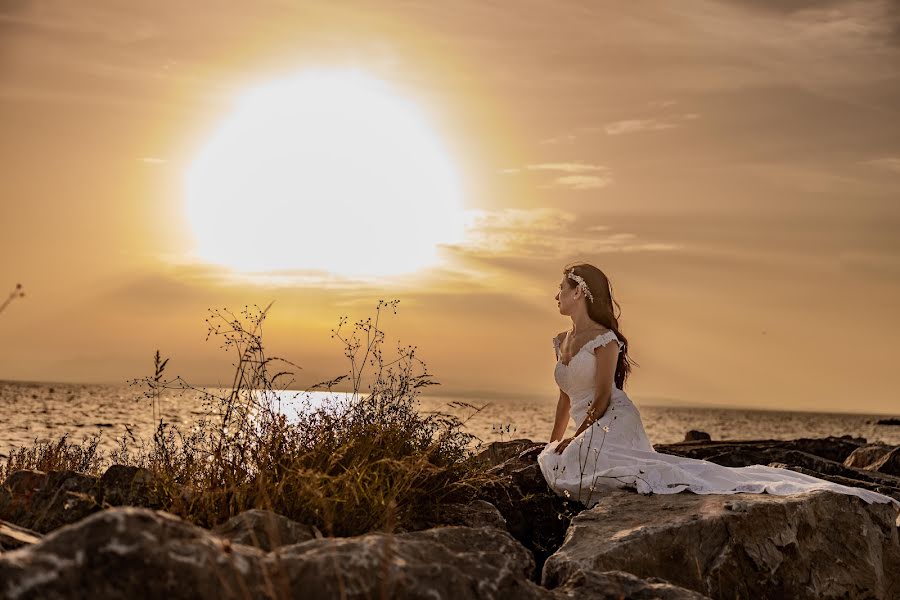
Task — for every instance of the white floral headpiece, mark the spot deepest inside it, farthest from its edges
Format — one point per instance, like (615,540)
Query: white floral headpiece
(581,283)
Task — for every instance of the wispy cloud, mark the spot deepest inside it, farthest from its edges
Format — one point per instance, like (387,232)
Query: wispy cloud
(152,160)
(891,163)
(580,182)
(544,234)
(573,178)
(654,124)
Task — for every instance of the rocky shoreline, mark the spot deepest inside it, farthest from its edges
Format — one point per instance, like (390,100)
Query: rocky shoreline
(69,535)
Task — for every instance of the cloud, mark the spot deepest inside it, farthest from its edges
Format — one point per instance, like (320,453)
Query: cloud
(543,234)
(891,163)
(580,182)
(634,125)
(575,182)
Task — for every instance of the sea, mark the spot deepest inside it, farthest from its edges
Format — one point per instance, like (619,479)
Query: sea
(44,411)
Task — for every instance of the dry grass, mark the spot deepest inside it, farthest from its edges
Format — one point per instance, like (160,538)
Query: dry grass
(371,463)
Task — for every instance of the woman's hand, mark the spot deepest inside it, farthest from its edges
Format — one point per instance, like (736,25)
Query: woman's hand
(562,445)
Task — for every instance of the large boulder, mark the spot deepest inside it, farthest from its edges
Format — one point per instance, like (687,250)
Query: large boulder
(812,545)
(266,530)
(135,552)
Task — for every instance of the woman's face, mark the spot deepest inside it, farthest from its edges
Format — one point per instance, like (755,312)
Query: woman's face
(565,297)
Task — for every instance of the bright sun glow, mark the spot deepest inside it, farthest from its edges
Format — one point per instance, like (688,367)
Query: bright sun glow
(327,171)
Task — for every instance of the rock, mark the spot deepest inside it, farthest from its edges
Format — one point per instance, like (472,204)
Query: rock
(888,422)
(135,552)
(124,485)
(63,497)
(893,491)
(12,536)
(888,464)
(445,562)
(130,552)
(835,449)
(811,545)
(741,454)
(864,456)
(265,530)
(476,513)
(17,492)
(534,514)
(499,452)
(694,435)
(616,585)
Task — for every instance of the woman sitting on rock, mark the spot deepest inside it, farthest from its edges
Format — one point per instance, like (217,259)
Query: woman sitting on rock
(610,448)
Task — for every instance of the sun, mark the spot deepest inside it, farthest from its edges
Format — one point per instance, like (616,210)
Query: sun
(326,171)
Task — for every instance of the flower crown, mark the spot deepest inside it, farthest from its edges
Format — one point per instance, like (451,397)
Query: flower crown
(581,283)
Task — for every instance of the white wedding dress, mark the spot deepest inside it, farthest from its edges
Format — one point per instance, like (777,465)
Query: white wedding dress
(614,452)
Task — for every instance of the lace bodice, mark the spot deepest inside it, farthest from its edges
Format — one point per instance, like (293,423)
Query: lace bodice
(577,379)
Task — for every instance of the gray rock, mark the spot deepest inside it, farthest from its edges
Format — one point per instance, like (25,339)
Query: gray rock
(140,553)
(265,529)
(812,545)
(694,435)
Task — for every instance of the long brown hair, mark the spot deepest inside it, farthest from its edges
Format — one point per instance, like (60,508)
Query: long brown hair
(601,311)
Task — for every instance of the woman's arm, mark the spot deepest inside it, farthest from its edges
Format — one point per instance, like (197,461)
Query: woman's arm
(562,417)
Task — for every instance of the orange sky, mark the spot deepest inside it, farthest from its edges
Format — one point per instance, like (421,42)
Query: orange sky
(733,166)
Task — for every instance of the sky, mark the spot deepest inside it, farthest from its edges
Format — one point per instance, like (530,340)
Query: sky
(732,166)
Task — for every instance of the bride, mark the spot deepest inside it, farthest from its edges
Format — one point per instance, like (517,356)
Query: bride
(610,448)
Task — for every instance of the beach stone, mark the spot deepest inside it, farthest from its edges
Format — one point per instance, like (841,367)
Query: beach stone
(864,456)
(265,529)
(12,536)
(811,545)
(136,552)
(694,435)
(891,421)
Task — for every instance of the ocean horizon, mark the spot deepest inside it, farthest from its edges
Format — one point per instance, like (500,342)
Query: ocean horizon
(44,411)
